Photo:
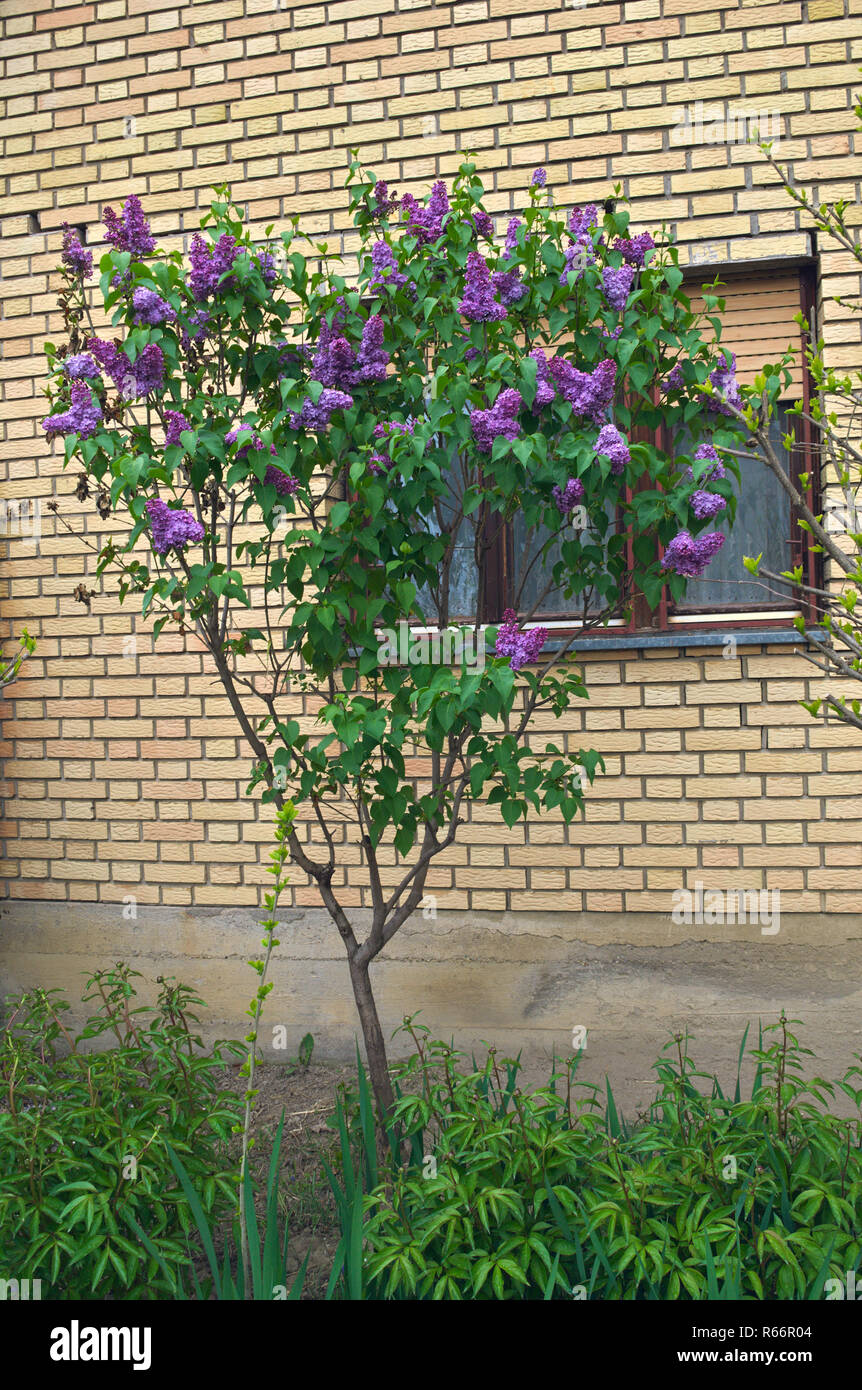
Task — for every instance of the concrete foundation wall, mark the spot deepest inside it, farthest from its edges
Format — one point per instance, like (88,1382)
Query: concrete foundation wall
(519,981)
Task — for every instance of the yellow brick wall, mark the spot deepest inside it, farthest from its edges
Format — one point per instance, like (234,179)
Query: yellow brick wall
(124,773)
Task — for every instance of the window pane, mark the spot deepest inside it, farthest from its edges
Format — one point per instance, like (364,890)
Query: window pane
(535,573)
(463,577)
(762,524)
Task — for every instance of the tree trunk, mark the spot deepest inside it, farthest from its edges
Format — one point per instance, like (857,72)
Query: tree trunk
(375,1045)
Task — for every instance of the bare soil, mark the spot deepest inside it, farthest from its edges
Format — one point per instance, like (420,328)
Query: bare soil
(307,1097)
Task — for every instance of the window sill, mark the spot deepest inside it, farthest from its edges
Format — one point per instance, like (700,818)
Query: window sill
(751,637)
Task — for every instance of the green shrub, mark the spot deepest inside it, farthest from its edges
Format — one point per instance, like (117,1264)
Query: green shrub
(85,1138)
(550,1195)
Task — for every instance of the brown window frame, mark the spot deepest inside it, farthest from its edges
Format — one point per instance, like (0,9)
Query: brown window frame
(499,579)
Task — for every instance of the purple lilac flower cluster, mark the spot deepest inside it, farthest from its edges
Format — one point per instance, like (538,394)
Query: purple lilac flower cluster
(509,286)
(148,369)
(198,322)
(266,266)
(482,223)
(582,221)
(388,429)
(112,361)
(479,304)
(539,179)
(588,393)
(336,364)
(316,417)
(79,365)
(176,423)
(675,380)
(75,256)
(283,483)
(82,418)
(511,246)
(690,556)
(545,392)
(706,505)
(711,475)
(171,528)
(381,200)
(149,308)
(255,442)
(634,249)
(290,353)
(138,378)
(131,230)
(500,420)
(578,256)
(426,223)
(385,267)
(210,263)
(726,397)
(372,359)
(334,358)
(612,445)
(520,647)
(568,497)
(617,285)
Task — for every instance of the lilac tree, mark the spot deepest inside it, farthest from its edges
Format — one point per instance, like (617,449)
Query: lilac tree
(311,453)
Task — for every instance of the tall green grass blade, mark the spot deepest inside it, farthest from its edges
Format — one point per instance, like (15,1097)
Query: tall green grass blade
(570,1234)
(337,1267)
(347,1174)
(274,1251)
(354,1248)
(197,1212)
(297,1286)
(737,1093)
(341,1202)
(366,1125)
(253,1234)
(711,1281)
(613,1120)
(758,1075)
(767,1218)
(746,1185)
(551,1283)
(172,1275)
(272,1177)
(822,1274)
(777,1168)
(602,1257)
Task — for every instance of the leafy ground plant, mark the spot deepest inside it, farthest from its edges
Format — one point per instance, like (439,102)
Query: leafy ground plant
(86,1138)
(550,1195)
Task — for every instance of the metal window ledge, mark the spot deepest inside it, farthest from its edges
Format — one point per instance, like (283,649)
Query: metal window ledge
(752,637)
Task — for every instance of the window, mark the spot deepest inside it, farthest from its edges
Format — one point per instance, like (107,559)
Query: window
(758,324)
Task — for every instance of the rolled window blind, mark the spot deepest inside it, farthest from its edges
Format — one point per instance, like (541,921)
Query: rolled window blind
(757,323)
